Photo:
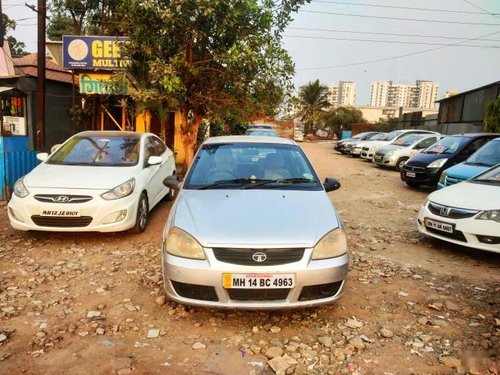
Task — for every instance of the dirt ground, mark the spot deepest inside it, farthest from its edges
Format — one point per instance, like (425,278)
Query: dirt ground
(94,303)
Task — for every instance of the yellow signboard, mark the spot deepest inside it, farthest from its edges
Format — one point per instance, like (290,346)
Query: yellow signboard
(100,84)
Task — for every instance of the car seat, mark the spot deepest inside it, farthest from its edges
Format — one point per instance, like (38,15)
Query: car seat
(274,167)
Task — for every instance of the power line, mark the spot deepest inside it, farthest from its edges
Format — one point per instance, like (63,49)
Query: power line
(396,57)
(401,18)
(484,12)
(387,34)
(388,41)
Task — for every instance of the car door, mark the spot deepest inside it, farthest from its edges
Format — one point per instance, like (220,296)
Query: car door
(155,174)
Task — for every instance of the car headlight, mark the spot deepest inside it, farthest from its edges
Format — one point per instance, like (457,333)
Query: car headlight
(437,163)
(182,244)
(19,189)
(489,215)
(442,179)
(390,153)
(333,244)
(373,148)
(120,191)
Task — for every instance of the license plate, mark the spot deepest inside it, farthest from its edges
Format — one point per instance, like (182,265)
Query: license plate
(443,227)
(61,213)
(258,281)
(410,174)
(378,157)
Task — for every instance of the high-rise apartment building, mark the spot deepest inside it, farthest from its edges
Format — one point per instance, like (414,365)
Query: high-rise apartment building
(342,94)
(421,95)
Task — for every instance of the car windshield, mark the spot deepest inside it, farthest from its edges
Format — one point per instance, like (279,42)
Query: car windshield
(251,165)
(487,156)
(98,150)
(447,145)
(378,137)
(408,140)
(392,135)
(490,176)
(261,132)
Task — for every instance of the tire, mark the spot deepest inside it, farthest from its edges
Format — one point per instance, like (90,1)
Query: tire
(412,184)
(400,163)
(141,220)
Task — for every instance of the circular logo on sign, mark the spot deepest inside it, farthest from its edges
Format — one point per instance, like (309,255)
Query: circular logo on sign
(78,49)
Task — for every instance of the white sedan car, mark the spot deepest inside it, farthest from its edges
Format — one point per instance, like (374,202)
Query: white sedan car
(104,181)
(467,213)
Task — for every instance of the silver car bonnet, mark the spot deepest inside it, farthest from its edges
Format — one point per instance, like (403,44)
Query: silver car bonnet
(255,218)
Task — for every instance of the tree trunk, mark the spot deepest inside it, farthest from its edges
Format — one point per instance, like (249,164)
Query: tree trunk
(189,132)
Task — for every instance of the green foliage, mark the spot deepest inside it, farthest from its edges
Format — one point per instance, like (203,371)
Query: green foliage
(492,117)
(16,47)
(214,58)
(341,118)
(60,25)
(313,101)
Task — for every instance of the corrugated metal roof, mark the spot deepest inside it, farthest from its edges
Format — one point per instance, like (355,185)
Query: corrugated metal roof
(27,66)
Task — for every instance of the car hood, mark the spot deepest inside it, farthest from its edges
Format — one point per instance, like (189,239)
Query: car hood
(423,160)
(374,143)
(465,171)
(385,149)
(248,218)
(464,195)
(77,177)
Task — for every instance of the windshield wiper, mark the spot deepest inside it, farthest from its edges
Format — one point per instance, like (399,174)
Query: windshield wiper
(480,164)
(232,182)
(280,181)
(485,181)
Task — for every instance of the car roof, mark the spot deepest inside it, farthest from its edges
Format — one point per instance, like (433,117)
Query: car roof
(473,135)
(248,139)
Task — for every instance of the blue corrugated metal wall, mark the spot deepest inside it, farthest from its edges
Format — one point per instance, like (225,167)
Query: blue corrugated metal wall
(15,161)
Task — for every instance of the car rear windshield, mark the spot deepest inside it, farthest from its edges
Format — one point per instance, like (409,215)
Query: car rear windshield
(447,145)
(251,165)
(98,150)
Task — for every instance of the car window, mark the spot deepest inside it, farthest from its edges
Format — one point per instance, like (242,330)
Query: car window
(425,143)
(251,162)
(265,133)
(159,146)
(98,150)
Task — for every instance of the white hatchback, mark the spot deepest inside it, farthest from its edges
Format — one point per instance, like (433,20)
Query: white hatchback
(103,181)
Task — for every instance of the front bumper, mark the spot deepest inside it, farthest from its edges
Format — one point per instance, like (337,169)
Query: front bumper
(384,161)
(95,215)
(467,232)
(199,282)
(422,176)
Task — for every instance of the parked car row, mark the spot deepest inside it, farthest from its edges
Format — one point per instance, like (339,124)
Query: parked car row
(466,213)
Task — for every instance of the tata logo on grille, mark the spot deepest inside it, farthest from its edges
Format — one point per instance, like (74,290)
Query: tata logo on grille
(61,199)
(445,211)
(259,257)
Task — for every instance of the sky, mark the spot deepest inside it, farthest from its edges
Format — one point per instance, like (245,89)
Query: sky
(453,42)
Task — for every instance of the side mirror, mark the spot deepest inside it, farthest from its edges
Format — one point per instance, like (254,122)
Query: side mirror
(331,184)
(154,160)
(172,182)
(42,156)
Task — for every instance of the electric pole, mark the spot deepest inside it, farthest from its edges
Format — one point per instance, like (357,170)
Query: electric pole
(40,90)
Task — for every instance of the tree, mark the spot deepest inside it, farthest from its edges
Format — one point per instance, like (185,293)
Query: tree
(16,48)
(492,117)
(313,100)
(210,58)
(343,117)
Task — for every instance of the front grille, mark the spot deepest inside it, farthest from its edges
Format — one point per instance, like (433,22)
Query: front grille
(456,235)
(453,180)
(61,198)
(365,148)
(245,256)
(193,291)
(61,222)
(257,294)
(411,168)
(320,291)
(450,212)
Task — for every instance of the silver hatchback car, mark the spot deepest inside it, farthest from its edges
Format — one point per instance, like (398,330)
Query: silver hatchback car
(253,228)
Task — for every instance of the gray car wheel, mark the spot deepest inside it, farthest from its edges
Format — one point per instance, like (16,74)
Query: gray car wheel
(400,163)
(141,220)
